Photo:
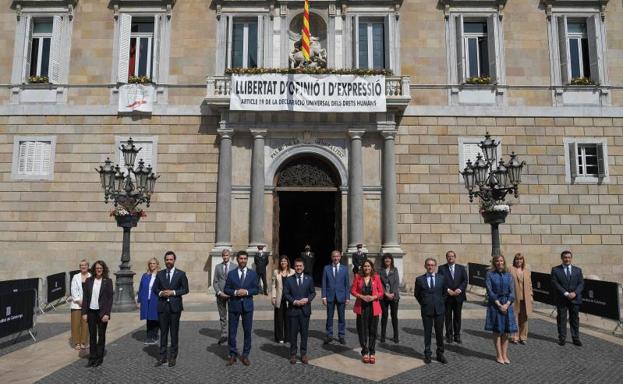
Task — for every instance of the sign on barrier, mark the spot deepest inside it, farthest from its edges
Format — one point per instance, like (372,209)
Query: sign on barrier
(542,287)
(10,286)
(476,274)
(57,286)
(16,311)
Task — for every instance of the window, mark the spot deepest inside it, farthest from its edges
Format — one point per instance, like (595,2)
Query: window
(371,54)
(244,44)
(148,152)
(40,42)
(469,150)
(33,157)
(587,160)
(580,49)
(476,48)
(141,48)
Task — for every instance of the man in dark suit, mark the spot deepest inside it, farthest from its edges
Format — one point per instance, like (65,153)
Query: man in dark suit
(568,283)
(308,260)
(299,292)
(455,276)
(358,258)
(430,291)
(261,261)
(335,293)
(241,286)
(170,285)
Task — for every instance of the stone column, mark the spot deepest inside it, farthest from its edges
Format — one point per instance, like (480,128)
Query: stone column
(256,222)
(355,191)
(223,191)
(390,234)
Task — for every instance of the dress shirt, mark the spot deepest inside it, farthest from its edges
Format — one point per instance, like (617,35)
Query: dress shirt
(240,270)
(567,270)
(431,280)
(171,272)
(95,294)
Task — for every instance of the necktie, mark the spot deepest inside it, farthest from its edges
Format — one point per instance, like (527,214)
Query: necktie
(299,279)
(452,271)
(568,272)
(431,281)
(225,268)
(242,277)
(168,276)
(334,270)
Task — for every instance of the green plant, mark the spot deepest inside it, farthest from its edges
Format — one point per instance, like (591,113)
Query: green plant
(139,80)
(581,81)
(309,71)
(38,80)
(479,80)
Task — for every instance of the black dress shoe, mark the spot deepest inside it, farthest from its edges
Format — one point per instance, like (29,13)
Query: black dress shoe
(160,362)
(328,340)
(98,362)
(577,342)
(457,339)
(427,360)
(90,363)
(382,339)
(561,342)
(172,362)
(442,359)
(342,341)
(293,359)
(222,340)
(396,340)
(449,340)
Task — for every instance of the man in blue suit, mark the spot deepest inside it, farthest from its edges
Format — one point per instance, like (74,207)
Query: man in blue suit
(431,291)
(568,284)
(240,286)
(335,293)
(299,292)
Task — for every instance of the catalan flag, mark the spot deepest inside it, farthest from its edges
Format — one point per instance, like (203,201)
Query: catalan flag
(305,35)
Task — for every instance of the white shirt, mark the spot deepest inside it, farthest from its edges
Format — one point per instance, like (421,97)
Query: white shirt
(95,294)
(431,280)
(171,273)
(151,285)
(76,290)
(564,269)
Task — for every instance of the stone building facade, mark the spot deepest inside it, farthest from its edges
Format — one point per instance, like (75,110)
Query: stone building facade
(388,180)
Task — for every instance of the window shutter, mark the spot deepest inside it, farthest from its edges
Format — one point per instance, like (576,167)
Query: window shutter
(55,50)
(573,159)
(388,32)
(28,25)
(563,46)
(594,48)
(158,28)
(260,41)
(356,41)
(601,163)
(22,157)
(125,25)
(42,156)
(460,49)
(228,42)
(470,152)
(493,46)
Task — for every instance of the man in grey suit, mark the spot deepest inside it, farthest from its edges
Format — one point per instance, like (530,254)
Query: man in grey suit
(218,282)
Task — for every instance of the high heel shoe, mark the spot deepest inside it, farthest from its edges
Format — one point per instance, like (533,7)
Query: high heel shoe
(372,359)
(366,359)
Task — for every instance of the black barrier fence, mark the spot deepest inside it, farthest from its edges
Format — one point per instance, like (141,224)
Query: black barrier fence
(20,285)
(56,286)
(476,274)
(17,311)
(542,287)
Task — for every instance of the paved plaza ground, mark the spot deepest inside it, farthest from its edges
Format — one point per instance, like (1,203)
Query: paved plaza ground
(201,360)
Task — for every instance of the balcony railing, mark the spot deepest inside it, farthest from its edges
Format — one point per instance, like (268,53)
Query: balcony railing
(397,91)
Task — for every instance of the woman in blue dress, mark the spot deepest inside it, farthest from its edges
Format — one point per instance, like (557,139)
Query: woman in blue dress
(500,318)
(148,301)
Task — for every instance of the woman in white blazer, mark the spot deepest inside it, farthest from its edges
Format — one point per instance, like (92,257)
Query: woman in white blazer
(79,327)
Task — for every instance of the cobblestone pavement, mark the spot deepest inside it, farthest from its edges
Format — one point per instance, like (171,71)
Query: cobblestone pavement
(42,331)
(201,360)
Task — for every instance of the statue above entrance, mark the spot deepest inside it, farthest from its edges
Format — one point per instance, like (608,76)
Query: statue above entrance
(317,55)
(318,39)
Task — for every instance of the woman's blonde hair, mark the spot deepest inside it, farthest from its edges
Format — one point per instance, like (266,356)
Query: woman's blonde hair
(154,260)
(493,267)
(518,256)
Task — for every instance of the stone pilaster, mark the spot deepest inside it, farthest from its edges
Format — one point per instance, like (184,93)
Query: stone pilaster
(355,191)
(256,222)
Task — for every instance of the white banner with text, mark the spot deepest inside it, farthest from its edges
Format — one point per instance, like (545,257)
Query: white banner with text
(307,93)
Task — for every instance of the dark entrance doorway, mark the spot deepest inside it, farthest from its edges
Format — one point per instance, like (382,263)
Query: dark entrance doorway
(307,210)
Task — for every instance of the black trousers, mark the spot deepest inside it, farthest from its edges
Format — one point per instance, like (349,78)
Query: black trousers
(281,322)
(97,335)
(298,324)
(152,329)
(574,320)
(261,276)
(389,307)
(169,322)
(429,322)
(453,317)
(367,325)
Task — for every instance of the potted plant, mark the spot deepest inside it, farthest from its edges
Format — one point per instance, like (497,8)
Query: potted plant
(38,80)
(581,81)
(494,213)
(478,80)
(127,217)
(139,80)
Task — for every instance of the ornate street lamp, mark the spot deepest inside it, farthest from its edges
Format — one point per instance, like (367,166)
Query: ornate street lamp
(493,184)
(128,188)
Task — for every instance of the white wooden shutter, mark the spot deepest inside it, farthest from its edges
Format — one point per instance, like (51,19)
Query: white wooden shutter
(260,41)
(493,47)
(388,33)
(356,41)
(22,157)
(44,151)
(470,152)
(601,163)
(55,50)
(28,25)
(125,25)
(563,47)
(34,158)
(460,49)
(156,47)
(593,28)
(573,159)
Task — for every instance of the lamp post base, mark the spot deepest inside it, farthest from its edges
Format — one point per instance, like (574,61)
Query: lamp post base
(124,291)
(495,218)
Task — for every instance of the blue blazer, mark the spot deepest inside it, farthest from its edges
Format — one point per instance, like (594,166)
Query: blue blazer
(239,304)
(292,292)
(335,288)
(149,306)
(561,284)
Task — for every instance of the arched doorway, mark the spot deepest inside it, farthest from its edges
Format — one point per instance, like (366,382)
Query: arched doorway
(307,209)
